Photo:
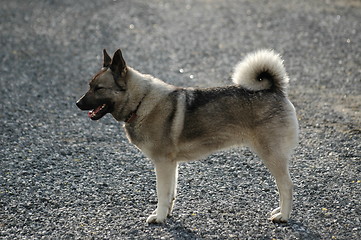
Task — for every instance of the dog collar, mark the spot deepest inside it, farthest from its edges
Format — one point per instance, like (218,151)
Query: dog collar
(133,115)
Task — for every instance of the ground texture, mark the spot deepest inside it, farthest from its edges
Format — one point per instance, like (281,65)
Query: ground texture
(63,176)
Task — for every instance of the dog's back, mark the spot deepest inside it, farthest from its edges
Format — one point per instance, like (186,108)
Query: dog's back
(253,111)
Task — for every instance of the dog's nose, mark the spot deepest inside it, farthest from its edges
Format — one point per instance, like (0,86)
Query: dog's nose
(79,103)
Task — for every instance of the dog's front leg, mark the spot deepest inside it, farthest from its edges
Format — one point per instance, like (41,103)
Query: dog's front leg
(167,173)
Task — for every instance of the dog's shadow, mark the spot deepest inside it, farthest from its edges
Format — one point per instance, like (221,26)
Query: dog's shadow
(177,230)
(297,229)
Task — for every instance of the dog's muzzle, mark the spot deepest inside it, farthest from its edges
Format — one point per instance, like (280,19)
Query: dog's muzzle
(97,110)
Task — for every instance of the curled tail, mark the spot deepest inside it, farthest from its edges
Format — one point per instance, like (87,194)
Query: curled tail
(260,71)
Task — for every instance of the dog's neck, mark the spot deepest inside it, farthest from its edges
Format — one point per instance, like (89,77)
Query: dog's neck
(133,115)
(145,85)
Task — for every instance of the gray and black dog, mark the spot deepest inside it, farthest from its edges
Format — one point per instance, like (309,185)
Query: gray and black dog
(170,124)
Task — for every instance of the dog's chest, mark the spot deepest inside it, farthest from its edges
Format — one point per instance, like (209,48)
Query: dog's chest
(133,135)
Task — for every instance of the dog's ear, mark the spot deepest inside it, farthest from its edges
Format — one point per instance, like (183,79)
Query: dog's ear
(107,59)
(119,69)
(118,64)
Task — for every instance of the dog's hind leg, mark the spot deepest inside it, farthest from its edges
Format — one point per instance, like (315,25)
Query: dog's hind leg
(278,166)
(285,189)
(166,172)
(276,160)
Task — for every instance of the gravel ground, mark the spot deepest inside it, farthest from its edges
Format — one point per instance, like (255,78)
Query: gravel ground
(63,176)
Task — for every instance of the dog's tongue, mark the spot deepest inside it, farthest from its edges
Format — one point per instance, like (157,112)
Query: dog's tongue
(93,112)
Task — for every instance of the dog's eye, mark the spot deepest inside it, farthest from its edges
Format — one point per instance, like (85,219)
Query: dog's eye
(98,88)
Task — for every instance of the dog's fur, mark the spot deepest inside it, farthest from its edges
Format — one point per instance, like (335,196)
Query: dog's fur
(172,124)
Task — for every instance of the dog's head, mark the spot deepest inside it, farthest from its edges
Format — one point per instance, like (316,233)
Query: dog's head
(107,88)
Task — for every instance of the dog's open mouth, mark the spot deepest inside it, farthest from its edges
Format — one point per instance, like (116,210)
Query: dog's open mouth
(99,112)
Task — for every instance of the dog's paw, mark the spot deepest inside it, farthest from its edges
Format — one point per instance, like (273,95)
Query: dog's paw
(275,211)
(154,218)
(278,217)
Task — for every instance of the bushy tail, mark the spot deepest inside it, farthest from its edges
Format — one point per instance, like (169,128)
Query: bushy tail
(261,70)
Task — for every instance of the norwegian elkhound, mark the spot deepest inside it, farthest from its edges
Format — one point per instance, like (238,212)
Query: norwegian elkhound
(172,124)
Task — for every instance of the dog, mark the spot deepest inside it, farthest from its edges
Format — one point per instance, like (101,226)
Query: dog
(172,124)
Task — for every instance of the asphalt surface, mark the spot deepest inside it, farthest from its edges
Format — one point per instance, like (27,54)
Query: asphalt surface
(63,176)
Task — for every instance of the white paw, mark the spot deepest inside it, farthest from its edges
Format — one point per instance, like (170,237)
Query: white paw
(278,218)
(154,218)
(275,211)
